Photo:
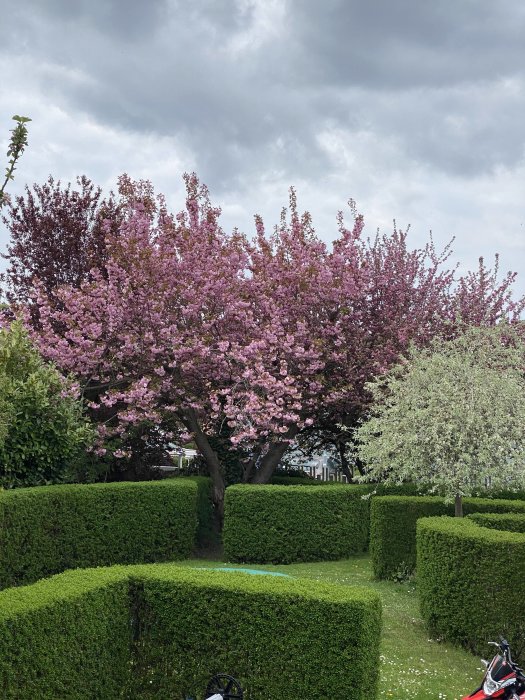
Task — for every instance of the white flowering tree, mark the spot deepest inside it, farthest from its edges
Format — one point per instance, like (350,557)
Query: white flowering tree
(451,416)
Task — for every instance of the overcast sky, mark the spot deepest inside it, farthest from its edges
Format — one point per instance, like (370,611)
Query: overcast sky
(414,109)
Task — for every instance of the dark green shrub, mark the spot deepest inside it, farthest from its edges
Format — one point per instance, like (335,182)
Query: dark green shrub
(393,527)
(42,430)
(373,489)
(283,524)
(393,532)
(47,529)
(470,583)
(208,529)
(284,480)
(511,522)
(70,637)
(502,494)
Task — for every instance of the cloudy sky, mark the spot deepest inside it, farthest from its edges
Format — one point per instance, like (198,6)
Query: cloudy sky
(414,109)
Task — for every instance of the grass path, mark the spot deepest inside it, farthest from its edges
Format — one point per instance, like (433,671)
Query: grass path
(413,666)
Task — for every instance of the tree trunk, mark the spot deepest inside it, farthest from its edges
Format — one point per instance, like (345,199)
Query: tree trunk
(190,420)
(249,466)
(345,466)
(458,506)
(270,462)
(271,459)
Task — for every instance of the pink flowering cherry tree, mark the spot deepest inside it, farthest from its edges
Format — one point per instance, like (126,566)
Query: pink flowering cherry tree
(186,329)
(147,338)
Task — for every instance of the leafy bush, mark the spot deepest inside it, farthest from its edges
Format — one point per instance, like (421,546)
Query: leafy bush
(283,524)
(393,527)
(287,480)
(42,429)
(502,494)
(470,582)
(48,529)
(511,522)
(66,637)
(70,636)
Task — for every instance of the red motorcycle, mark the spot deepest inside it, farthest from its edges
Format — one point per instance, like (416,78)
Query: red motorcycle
(503,678)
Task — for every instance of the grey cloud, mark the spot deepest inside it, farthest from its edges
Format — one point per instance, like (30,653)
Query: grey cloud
(123,20)
(426,76)
(408,43)
(462,131)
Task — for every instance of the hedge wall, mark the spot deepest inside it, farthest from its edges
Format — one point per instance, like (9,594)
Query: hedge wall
(47,529)
(511,522)
(393,527)
(470,583)
(70,637)
(501,494)
(278,480)
(283,524)
(66,637)
(372,488)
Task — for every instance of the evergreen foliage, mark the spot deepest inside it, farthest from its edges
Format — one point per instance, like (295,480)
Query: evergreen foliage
(283,524)
(66,637)
(187,625)
(42,429)
(45,530)
(470,583)
(208,534)
(511,522)
(393,527)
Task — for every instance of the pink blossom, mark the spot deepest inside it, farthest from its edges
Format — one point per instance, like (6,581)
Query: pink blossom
(191,329)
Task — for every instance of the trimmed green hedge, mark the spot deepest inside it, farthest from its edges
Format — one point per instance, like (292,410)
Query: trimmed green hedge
(374,489)
(296,481)
(283,524)
(511,522)
(393,527)
(47,529)
(501,494)
(470,582)
(66,637)
(70,636)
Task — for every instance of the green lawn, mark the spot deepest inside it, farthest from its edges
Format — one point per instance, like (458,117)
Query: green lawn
(413,666)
